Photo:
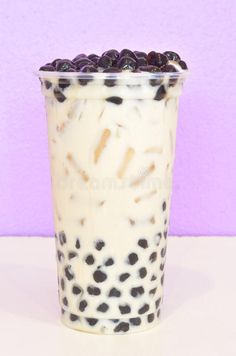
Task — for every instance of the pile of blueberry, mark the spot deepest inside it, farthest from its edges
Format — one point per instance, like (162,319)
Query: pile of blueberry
(113,61)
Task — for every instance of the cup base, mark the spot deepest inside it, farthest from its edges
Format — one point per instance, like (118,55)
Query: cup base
(110,326)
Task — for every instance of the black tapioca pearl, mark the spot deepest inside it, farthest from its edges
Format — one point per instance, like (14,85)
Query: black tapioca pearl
(84,81)
(72,254)
(158,313)
(153,257)
(60,256)
(68,272)
(150,317)
(65,301)
(153,291)
(62,284)
(83,305)
(90,260)
(164,206)
(183,65)
(109,262)
(137,291)
(157,303)
(62,237)
(99,245)
(162,279)
(111,80)
(165,234)
(154,82)
(142,272)
(77,243)
(124,309)
(163,252)
(124,327)
(160,94)
(143,243)
(135,321)
(103,308)
(162,266)
(99,276)
(93,290)
(48,84)
(172,56)
(124,276)
(157,238)
(62,311)
(74,317)
(165,221)
(59,96)
(92,321)
(143,309)
(132,258)
(114,293)
(76,289)
(154,277)
(63,83)
(115,100)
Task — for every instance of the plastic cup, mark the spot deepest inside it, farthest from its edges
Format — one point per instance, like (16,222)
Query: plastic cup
(112,143)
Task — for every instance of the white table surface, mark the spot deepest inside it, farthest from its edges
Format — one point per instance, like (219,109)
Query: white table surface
(199,310)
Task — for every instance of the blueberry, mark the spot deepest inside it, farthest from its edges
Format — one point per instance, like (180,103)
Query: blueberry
(99,276)
(114,293)
(172,56)
(105,61)
(149,68)
(141,61)
(124,276)
(157,59)
(124,309)
(99,245)
(103,307)
(63,83)
(88,69)
(79,56)
(111,81)
(127,53)
(161,93)
(137,291)
(151,57)
(81,62)
(54,62)
(143,243)
(135,321)
(140,54)
(122,327)
(115,100)
(169,68)
(64,65)
(93,290)
(127,63)
(59,96)
(143,309)
(132,258)
(153,257)
(183,65)
(142,272)
(47,68)
(113,54)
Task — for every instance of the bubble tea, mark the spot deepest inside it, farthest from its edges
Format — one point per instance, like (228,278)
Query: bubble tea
(111,129)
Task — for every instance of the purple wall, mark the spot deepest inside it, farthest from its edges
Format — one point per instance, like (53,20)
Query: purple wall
(203,32)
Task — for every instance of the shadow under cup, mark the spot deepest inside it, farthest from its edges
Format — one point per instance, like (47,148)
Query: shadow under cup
(111,142)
